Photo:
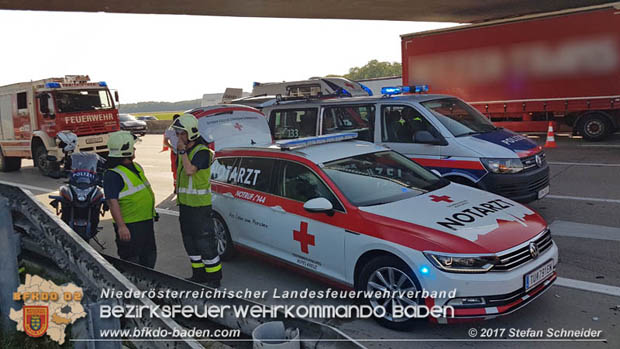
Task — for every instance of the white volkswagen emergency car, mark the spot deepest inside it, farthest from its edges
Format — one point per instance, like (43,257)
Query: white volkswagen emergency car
(369,218)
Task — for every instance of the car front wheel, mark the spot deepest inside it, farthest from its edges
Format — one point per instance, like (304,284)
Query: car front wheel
(388,273)
(225,246)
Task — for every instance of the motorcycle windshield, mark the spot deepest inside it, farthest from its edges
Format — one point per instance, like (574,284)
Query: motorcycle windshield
(84,169)
(84,162)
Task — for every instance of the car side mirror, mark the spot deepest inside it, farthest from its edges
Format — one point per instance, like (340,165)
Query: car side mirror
(318,205)
(116,96)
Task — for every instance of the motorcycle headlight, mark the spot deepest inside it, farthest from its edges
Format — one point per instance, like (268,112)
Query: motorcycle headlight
(461,264)
(82,194)
(503,165)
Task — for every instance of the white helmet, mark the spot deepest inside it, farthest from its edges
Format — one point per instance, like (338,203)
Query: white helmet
(69,139)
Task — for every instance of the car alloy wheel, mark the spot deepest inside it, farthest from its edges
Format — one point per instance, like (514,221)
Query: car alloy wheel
(392,280)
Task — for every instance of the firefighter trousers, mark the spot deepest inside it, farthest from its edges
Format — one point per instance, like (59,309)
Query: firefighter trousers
(199,238)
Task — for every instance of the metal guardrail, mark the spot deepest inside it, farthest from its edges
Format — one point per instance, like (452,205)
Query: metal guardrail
(45,234)
(79,261)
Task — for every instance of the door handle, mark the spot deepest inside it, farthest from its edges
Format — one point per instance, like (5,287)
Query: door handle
(278,209)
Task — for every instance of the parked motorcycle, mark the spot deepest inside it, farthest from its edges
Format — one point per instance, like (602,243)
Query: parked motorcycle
(81,200)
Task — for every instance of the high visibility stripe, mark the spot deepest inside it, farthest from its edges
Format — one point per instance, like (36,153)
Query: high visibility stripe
(131,189)
(195,258)
(211,261)
(194,191)
(190,189)
(198,265)
(214,269)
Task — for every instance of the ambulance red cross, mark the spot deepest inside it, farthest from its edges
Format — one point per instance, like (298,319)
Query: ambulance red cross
(369,218)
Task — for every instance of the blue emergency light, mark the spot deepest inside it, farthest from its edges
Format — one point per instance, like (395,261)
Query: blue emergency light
(424,270)
(344,92)
(52,85)
(396,90)
(391,90)
(369,91)
(103,84)
(308,141)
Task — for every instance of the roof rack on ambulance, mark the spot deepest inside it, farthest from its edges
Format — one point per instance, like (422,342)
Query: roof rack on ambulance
(338,94)
(308,141)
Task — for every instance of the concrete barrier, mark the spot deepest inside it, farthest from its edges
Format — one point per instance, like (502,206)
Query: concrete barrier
(157,126)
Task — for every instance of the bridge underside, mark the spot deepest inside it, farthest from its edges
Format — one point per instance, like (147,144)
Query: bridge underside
(461,11)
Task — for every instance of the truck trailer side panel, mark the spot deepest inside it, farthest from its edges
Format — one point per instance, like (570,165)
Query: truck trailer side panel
(525,69)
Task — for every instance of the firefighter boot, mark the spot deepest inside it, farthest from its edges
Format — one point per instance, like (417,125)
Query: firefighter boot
(199,275)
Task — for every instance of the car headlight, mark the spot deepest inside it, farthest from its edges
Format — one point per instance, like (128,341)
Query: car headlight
(462,264)
(503,165)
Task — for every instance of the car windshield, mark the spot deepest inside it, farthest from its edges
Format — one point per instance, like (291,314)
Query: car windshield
(71,101)
(458,117)
(380,178)
(127,117)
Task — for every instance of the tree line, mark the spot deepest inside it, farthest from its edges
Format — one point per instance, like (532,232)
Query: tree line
(146,107)
(372,69)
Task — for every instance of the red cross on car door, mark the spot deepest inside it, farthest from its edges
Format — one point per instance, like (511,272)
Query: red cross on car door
(307,239)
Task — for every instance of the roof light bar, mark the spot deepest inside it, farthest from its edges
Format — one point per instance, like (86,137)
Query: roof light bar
(308,141)
(52,85)
(396,90)
(103,84)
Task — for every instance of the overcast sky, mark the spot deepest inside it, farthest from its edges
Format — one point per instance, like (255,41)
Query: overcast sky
(173,57)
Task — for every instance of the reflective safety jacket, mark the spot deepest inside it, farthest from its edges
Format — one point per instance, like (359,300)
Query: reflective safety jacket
(136,199)
(194,190)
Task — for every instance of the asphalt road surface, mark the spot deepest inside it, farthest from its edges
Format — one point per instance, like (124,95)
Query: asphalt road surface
(583,210)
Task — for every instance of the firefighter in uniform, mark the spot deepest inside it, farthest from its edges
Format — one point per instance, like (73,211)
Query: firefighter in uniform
(194,199)
(131,201)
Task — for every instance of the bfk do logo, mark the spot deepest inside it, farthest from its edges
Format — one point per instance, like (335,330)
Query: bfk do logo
(36,319)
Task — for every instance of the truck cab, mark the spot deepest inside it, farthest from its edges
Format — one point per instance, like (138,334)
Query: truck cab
(33,113)
(440,132)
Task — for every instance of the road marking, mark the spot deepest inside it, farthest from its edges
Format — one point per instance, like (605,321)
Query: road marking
(587,231)
(588,286)
(563,197)
(582,164)
(601,145)
(26,186)
(167,212)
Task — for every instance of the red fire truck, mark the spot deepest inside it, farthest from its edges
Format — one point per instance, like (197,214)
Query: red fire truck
(33,113)
(524,72)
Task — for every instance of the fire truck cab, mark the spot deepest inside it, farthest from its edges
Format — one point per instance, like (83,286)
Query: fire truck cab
(33,113)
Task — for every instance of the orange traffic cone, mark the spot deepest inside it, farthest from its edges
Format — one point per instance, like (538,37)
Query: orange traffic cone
(550,138)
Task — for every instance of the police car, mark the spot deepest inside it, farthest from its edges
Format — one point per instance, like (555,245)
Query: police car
(440,132)
(369,218)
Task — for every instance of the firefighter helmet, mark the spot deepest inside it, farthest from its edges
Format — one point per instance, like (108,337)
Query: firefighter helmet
(189,124)
(120,144)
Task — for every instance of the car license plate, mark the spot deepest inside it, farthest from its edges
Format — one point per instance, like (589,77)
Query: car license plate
(539,275)
(543,192)
(100,139)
